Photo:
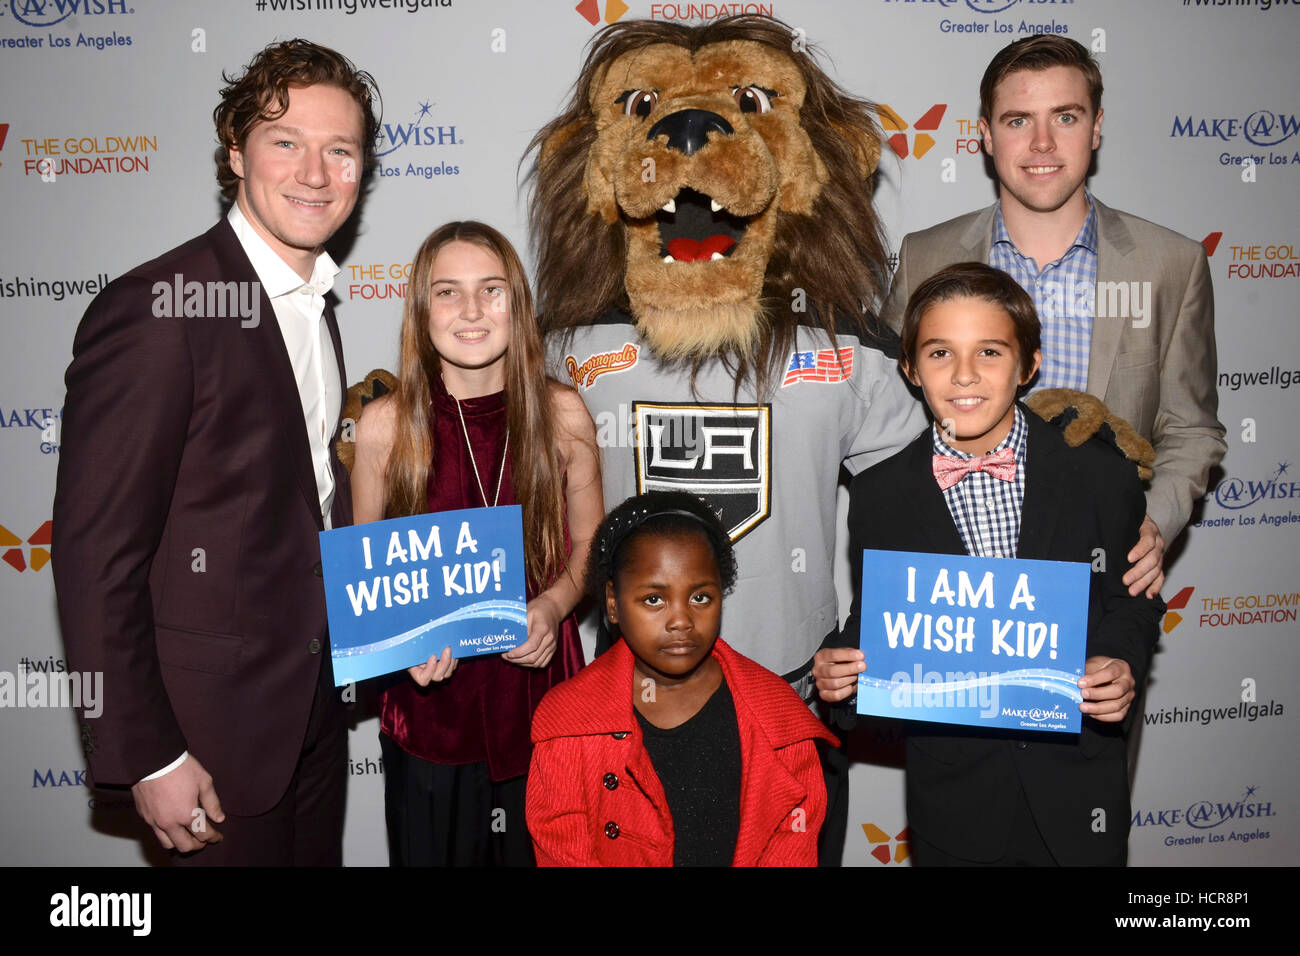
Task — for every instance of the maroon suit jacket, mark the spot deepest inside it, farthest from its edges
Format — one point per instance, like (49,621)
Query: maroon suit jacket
(186,557)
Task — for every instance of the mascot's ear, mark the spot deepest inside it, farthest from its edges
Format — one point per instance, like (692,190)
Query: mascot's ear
(557,139)
(866,148)
(597,186)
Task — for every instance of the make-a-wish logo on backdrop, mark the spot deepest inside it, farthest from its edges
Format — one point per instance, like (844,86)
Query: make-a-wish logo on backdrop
(1002,17)
(33,15)
(1262,501)
(1261,137)
(985,642)
(39,426)
(402,590)
(420,148)
(1235,820)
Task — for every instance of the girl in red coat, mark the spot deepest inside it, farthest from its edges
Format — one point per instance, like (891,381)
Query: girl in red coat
(671,749)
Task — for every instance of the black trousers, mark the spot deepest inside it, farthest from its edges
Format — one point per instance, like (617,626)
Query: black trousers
(445,815)
(1025,845)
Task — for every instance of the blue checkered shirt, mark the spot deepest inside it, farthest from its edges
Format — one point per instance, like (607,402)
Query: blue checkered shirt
(985,509)
(1065,295)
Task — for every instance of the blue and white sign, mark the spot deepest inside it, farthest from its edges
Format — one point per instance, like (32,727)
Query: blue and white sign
(401,590)
(986,642)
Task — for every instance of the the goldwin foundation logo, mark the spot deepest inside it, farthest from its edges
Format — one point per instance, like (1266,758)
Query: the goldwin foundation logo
(38,550)
(922,142)
(1234,610)
(590,10)
(883,842)
(597,365)
(1175,604)
(1255,259)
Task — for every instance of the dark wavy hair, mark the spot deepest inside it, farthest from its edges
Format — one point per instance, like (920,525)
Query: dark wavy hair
(659,514)
(261,94)
(973,280)
(837,255)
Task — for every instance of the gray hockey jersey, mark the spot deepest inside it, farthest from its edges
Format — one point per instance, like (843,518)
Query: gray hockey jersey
(769,468)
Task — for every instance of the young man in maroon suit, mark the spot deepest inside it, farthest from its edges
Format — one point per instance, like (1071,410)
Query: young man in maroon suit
(197,468)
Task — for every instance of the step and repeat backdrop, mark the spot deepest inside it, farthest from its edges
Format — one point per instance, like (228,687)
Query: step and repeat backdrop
(106,160)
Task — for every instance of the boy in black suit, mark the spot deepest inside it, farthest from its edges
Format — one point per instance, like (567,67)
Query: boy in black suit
(970,484)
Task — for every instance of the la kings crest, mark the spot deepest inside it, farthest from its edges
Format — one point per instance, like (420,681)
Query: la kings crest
(720,452)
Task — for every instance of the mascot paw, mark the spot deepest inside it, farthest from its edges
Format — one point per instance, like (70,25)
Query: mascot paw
(376,383)
(1082,416)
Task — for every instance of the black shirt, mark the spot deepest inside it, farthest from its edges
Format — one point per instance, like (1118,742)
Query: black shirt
(698,763)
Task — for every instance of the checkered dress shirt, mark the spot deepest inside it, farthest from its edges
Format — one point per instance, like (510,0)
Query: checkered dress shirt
(985,509)
(1065,295)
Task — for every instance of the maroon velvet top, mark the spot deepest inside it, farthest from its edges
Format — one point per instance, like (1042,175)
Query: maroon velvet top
(484,711)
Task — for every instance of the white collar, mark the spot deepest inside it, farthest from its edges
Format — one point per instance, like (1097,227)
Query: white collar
(276,276)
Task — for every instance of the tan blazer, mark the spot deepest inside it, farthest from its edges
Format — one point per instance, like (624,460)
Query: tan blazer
(1158,371)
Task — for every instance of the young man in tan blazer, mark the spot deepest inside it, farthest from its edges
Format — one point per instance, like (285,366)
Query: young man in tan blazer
(1126,305)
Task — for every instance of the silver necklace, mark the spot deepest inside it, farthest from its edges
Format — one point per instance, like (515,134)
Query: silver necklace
(474,464)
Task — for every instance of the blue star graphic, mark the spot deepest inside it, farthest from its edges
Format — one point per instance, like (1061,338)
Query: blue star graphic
(1282,466)
(424,111)
(1250,792)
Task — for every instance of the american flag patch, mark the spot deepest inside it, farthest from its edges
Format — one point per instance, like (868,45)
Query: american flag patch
(827,366)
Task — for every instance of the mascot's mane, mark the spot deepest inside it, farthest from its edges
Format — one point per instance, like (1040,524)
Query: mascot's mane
(836,255)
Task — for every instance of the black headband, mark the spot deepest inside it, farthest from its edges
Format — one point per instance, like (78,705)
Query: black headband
(624,524)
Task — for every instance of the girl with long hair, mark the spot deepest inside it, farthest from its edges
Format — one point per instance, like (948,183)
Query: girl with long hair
(474,422)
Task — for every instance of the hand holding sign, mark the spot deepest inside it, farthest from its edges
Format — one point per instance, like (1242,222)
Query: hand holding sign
(435,670)
(543,631)
(836,671)
(1108,689)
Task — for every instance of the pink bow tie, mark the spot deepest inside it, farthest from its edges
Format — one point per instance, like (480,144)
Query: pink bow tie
(949,470)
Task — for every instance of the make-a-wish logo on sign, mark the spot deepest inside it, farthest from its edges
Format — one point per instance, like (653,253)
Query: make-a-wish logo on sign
(402,590)
(722,453)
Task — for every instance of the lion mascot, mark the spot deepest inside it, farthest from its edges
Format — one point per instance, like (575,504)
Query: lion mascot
(708,254)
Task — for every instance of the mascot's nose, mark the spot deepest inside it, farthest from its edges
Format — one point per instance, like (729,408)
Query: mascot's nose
(688,130)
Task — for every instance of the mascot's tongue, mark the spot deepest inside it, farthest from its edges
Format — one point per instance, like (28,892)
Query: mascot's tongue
(692,250)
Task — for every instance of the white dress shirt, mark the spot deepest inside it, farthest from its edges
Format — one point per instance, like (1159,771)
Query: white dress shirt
(299,309)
